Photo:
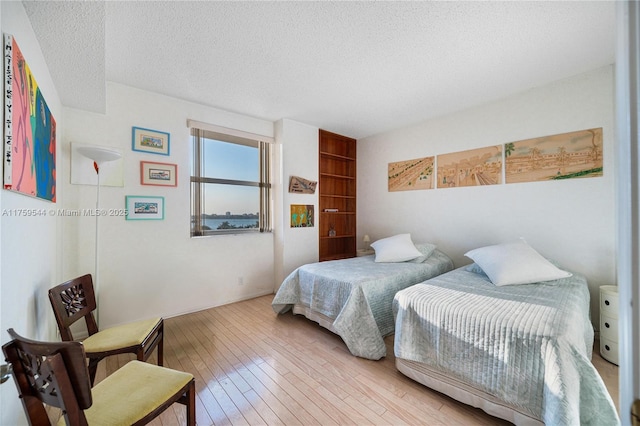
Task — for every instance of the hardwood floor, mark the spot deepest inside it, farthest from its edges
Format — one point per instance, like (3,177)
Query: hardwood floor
(253,367)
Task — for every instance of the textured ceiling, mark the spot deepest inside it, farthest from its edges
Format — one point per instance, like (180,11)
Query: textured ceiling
(355,68)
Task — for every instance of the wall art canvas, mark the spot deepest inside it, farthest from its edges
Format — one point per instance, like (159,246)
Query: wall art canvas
(563,156)
(411,174)
(301,216)
(474,167)
(300,185)
(29,130)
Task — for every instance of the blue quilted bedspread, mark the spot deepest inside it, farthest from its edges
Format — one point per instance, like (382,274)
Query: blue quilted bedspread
(528,345)
(357,294)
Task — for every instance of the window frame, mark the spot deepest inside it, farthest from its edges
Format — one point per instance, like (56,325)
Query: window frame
(199,134)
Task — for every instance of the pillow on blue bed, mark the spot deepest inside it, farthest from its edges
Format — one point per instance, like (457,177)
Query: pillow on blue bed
(426,249)
(473,267)
(398,248)
(515,263)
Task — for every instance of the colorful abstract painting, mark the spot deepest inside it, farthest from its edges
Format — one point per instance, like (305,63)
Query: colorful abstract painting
(411,174)
(474,167)
(564,156)
(301,216)
(29,130)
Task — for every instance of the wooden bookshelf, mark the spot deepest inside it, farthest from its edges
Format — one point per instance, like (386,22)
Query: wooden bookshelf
(337,192)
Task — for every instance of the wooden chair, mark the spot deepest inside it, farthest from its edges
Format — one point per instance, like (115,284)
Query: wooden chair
(75,299)
(56,374)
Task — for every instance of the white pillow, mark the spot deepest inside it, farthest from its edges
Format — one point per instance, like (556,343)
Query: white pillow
(426,249)
(398,248)
(515,263)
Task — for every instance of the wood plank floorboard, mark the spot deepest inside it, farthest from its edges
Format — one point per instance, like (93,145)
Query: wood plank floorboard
(253,367)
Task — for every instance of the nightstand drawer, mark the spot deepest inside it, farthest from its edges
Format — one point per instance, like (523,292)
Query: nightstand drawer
(608,328)
(609,350)
(609,301)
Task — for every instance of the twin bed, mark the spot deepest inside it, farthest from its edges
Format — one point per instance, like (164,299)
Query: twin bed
(353,297)
(519,352)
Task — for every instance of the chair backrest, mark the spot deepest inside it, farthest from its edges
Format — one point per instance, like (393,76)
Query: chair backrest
(49,373)
(71,301)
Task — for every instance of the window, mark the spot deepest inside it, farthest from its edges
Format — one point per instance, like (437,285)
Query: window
(230,182)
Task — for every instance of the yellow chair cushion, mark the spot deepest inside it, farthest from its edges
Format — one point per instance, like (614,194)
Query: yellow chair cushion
(120,336)
(132,392)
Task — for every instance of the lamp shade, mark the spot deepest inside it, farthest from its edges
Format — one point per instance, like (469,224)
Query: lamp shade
(366,238)
(99,154)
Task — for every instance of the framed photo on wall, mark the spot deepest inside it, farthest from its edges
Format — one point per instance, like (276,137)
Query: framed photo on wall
(158,174)
(152,141)
(142,207)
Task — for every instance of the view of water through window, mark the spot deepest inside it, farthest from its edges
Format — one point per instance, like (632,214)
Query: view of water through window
(229,206)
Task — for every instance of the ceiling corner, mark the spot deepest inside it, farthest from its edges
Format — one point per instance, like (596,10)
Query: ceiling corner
(72,39)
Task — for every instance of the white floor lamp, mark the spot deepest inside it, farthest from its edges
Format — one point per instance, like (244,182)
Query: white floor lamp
(99,155)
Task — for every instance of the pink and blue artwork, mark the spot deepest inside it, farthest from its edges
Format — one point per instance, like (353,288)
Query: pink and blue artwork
(29,130)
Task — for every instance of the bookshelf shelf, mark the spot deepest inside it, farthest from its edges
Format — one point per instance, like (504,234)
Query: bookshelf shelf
(337,190)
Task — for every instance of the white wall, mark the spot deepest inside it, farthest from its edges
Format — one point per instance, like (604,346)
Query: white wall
(150,268)
(298,144)
(571,221)
(29,258)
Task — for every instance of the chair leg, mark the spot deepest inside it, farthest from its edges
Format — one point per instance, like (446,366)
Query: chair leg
(161,350)
(93,369)
(191,404)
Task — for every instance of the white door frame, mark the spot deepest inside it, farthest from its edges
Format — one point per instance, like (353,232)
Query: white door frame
(628,201)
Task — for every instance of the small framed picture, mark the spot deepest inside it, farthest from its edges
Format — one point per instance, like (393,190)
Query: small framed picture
(159,174)
(147,140)
(142,207)
(302,215)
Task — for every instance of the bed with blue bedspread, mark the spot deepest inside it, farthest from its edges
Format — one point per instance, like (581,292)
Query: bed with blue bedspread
(519,352)
(353,297)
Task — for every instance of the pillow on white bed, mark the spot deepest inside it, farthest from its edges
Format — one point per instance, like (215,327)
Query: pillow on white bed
(398,248)
(426,249)
(515,263)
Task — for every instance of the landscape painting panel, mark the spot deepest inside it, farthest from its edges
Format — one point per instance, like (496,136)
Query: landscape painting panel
(474,167)
(30,130)
(411,174)
(563,156)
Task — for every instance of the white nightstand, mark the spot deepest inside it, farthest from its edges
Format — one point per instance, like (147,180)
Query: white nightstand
(609,323)
(365,252)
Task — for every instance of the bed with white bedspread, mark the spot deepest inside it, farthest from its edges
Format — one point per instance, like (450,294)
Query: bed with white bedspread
(353,297)
(519,352)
